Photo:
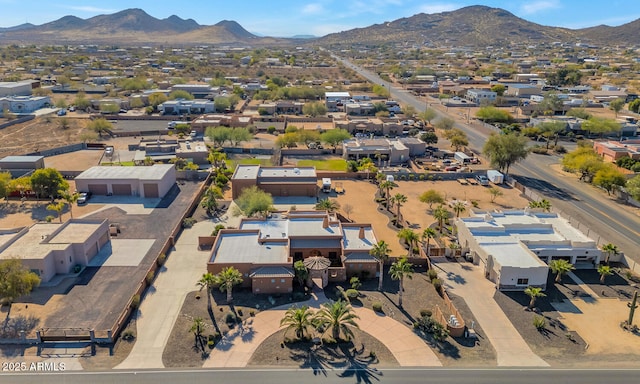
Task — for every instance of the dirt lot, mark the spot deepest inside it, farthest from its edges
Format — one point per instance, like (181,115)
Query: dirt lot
(360,196)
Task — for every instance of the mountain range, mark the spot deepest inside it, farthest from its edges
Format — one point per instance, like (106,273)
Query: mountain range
(470,26)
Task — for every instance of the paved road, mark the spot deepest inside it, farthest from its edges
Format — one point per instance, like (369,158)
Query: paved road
(296,376)
(611,221)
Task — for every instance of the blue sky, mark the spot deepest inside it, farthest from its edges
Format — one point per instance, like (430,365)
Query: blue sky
(320,17)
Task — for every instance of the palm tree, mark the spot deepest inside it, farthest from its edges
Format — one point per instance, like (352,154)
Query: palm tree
(298,320)
(429,233)
(398,271)
(70,198)
(441,214)
(197,328)
(560,267)
(57,208)
(458,208)
(209,199)
(609,250)
(226,279)
(545,205)
(380,252)
(387,185)
(533,293)
(399,199)
(338,316)
(410,237)
(327,205)
(604,271)
(208,281)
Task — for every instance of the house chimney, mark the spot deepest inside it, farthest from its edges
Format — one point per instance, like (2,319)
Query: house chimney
(361,233)
(325,222)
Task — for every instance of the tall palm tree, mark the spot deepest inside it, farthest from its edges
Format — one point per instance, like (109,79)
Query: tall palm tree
(560,267)
(399,199)
(410,237)
(208,281)
(429,233)
(387,185)
(398,271)
(226,279)
(533,293)
(609,250)
(337,316)
(380,252)
(298,320)
(197,327)
(604,271)
(327,205)
(70,198)
(458,208)
(441,214)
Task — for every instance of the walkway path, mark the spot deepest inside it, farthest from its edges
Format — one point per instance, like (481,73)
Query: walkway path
(467,281)
(161,305)
(237,347)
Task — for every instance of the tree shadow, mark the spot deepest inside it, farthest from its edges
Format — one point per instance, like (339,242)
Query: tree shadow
(13,325)
(358,366)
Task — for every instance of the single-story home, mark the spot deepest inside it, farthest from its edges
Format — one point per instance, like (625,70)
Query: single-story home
(151,182)
(278,181)
(515,247)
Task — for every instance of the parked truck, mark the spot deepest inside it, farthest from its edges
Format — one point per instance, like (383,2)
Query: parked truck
(495,177)
(326,185)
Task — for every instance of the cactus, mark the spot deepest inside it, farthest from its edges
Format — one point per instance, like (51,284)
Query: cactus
(632,308)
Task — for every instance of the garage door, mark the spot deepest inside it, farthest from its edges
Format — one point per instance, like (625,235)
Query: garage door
(151,190)
(121,189)
(98,189)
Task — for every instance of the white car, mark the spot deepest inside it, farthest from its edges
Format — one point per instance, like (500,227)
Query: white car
(483,180)
(82,198)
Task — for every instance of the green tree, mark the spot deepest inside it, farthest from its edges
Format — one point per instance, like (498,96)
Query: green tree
(616,105)
(398,271)
(238,135)
(219,135)
(334,137)
(552,129)
(599,126)
(298,320)
(109,107)
(5,184)
(288,140)
(410,237)
(633,187)
(505,150)
(399,199)
(609,178)
(441,214)
(427,115)
(47,182)
(180,94)
(604,271)
(458,208)
(81,102)
(328,205)
(156,99)
(431,197)
(560,267)
(337,316)
(207,282)
(580,113)
(57,208)
(209,199)
(301,271)
(543,204)
(492,114)
(533,293)
(429,233)
(429,138)
(495,192)
(253,201)
(499,89)
(380,90)
(226,279)
(445,123)
(459,141)
(314,109)
(584,161)
(100,126)
(609,250)
(61,103)
(15,280)
(380,251)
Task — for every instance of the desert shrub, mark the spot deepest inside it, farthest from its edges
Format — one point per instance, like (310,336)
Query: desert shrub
(161,259)
(252,313)
(149,278)
(352,293)
(539,322)
(188,222)
(539,150)
(49,218)
(429,325)
(425,313)
(135,301)
(437,284)
(432,274)
(230,318)
(377,307)
(560,149)
(128,334)
(240,313)
(474,203)
(421,177)
(271,129)
(412,176)
(355,282)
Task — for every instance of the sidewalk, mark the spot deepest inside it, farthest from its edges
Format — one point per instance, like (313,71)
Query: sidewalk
(477,292)
(236,348)
(162,302)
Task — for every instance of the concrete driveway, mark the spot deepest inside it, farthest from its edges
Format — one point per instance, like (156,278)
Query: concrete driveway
(467,281)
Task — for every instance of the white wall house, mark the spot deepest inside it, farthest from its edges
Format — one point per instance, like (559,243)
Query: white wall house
(516,246)
(24,104)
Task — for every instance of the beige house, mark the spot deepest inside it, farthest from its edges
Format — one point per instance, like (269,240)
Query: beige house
(278,181)
(49,249)
(152,182)
(264,250)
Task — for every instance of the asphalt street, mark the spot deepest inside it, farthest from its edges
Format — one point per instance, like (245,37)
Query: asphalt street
(349,375)
(613,223)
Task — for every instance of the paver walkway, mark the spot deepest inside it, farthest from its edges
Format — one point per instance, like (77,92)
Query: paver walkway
(467,281)
(237,347)
(161,305)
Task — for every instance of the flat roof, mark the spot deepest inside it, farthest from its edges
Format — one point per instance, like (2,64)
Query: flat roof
(244,247)
(352,240)
(273,172)
(154,172)
(20,159)
(247,172)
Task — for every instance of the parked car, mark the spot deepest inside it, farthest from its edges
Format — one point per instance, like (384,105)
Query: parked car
(83,197)
(108,151)
(483,180)
(62,112)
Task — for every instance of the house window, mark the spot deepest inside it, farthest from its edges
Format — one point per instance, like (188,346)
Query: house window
(523,282)
(282,280)
(273,281)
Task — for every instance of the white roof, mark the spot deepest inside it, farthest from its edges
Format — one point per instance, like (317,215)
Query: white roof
(352,240)
(154,172)
(244,247)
